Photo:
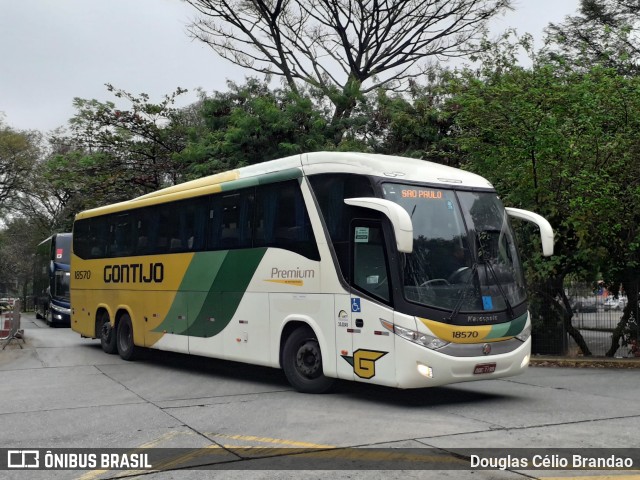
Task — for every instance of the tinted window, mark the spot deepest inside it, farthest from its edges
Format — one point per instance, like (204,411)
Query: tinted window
(272,215)
(330,191)
(282,220)
(370,273)
(231,220)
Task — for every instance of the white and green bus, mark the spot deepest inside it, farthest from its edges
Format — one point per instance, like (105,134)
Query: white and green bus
(379,269)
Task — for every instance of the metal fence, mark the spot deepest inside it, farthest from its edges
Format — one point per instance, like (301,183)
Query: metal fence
(596,314)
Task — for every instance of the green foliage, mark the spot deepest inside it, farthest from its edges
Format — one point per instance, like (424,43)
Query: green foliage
(19,152)
(141,141)
(563,144)
(251,124)
(604,32)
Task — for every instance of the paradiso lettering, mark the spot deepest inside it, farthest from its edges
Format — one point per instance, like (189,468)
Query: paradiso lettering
(134,273)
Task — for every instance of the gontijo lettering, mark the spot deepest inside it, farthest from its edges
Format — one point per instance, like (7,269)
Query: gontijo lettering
(134,273)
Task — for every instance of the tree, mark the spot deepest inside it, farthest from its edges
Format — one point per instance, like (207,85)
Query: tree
(563,144)
(606,32)
(342,48)
(142,139)
(18,153)
(251,124)
(414,125)
(18,242)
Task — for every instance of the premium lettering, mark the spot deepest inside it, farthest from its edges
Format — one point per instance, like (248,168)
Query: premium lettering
(292,273)
(134,273)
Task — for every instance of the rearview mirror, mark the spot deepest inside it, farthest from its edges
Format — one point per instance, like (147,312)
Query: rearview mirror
(546,232)
(398,216)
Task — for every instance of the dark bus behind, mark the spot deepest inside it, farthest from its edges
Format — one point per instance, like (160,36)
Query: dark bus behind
(51,279)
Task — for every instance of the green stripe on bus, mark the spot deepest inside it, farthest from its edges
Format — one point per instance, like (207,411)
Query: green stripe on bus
(227,289)
(509,329)
(281,176)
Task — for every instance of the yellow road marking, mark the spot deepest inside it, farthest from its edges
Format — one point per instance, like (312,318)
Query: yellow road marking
(277,441)
(162,438)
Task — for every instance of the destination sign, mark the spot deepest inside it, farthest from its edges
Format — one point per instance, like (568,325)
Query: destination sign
(418,193)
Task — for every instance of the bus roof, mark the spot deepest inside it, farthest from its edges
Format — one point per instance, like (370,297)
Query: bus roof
(392,167)
(55,235)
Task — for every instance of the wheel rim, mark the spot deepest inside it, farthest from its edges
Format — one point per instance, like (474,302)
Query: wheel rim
(308,359)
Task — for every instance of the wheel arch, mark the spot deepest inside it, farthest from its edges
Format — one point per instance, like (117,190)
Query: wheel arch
(100,311)
(292,323)
(120,312)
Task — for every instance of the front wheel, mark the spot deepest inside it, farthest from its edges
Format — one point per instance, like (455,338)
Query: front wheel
(124,338)
(302,362)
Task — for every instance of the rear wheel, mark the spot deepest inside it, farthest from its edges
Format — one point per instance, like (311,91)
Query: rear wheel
(302,362)
(106,333)
(49,317)
(124,338)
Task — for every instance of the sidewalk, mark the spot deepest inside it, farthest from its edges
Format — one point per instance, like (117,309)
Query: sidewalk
(584,362)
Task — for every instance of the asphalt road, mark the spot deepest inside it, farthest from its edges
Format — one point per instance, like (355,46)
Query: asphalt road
(62,391)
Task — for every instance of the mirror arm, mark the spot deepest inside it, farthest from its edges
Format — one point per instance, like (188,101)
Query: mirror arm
(546,232)
(398,216)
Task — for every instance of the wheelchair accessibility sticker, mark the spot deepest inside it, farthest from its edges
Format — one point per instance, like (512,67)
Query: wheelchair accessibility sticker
(355,305)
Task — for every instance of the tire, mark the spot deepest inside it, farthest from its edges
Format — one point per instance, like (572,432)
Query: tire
(302,362)
(106,333)
(124,338)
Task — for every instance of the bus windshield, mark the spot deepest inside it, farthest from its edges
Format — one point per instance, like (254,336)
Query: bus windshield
(464,256)
(61,285)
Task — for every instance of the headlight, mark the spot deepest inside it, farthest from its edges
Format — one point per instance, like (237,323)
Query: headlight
(433,343)
(524,334)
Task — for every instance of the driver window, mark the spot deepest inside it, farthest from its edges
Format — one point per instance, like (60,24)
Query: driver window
(370,272)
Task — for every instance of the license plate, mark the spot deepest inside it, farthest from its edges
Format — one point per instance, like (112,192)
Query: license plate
(482,368)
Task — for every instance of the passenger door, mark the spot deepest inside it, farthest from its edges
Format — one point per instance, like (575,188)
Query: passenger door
(373,357)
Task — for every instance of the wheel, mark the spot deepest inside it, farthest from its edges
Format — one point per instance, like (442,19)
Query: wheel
(124,338)
(302,362)
(106,333)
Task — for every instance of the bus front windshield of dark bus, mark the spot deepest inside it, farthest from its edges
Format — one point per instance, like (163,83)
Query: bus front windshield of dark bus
(61,285)
(464,257)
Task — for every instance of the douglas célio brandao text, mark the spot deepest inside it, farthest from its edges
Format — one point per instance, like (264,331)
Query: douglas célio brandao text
(573,461)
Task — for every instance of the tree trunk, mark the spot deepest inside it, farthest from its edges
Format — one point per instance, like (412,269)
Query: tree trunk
(557,305)
(571,330)
(630,311)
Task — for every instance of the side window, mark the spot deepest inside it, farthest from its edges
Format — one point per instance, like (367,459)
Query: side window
(193,217)
(282,220)
(82,238)
(231,220)
(121,235)
(330,191)
(146,226)
(370,271)
(90,237)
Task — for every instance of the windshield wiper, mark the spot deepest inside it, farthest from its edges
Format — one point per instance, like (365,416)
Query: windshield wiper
(488,266)
(463,297)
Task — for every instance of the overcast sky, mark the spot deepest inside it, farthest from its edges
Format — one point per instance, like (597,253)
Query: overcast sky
(54,50)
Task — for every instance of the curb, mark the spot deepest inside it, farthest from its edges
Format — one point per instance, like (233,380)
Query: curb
(584,362)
